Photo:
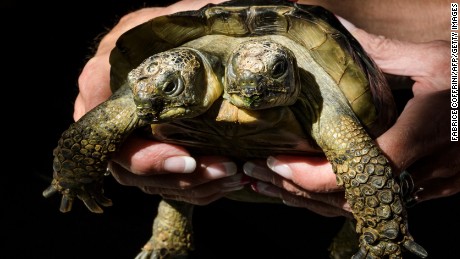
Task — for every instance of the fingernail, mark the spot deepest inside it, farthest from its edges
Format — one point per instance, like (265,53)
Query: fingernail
(348,25)
(266,189)
(219,170)
(248,168)
(290,203)
(109,169)
(252,169)
(180,164)
(280,168)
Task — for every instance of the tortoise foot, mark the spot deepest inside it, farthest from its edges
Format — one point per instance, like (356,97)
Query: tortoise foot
(90,193)
(149,252)
(385,248)
(172,232)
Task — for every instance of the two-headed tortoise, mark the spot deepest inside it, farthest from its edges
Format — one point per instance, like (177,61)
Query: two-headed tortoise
(247,79)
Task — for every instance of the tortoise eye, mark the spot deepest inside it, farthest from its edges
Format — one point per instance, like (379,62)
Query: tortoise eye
(279,69)
(173,87)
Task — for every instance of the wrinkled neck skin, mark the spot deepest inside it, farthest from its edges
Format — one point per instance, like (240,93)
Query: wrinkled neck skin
(334,107)
(212,83)
(110,123)
(114,119)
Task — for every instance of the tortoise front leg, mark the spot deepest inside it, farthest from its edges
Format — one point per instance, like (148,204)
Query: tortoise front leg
(83,152)
(370,188)
(172,232)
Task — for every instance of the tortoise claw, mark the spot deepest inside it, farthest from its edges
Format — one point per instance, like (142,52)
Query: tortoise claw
(92,205)
(50,191)
(415,248)
(91,202)
(361,254)
(368,251)
(66,204)
(104,201)
(93,199)
(90,193)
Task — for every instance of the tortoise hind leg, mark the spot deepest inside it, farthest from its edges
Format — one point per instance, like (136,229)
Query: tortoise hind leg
(372,191)
(172,232)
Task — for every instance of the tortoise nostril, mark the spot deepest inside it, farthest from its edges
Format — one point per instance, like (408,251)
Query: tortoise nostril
(246,83)
(157,103)
(249,79)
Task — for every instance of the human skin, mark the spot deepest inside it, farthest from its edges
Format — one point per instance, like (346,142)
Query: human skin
(407,20)
(169,170)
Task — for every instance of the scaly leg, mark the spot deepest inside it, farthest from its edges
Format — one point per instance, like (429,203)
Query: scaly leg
(172,232)
(371,190)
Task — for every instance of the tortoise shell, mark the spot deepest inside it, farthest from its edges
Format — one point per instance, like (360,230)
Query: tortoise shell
(314,28)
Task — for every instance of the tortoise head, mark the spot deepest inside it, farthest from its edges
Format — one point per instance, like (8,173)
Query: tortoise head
(178,83)
(261,74)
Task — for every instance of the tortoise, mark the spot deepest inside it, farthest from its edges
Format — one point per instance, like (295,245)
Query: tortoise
(247,80)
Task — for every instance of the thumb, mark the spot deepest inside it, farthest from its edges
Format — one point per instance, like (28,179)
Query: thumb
(426,63)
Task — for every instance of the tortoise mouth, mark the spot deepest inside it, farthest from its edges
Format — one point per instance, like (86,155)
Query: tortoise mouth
(148,116)
(254,101)
(262,93)
(150,108)
(167,114)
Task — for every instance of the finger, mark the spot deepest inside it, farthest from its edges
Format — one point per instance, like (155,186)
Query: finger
(427,63)
(443,165)
(195,201)
(127,178)
(438,175)
(311,173)
(258,169)
(205,193)
(263,174)
(144,157)
(317,206)
(204,174)
(216,167)
(438,188)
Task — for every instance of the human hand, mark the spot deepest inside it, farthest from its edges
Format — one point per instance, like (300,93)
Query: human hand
(419,141)
(156,168)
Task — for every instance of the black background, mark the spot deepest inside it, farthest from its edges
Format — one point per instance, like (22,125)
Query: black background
(44,47)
